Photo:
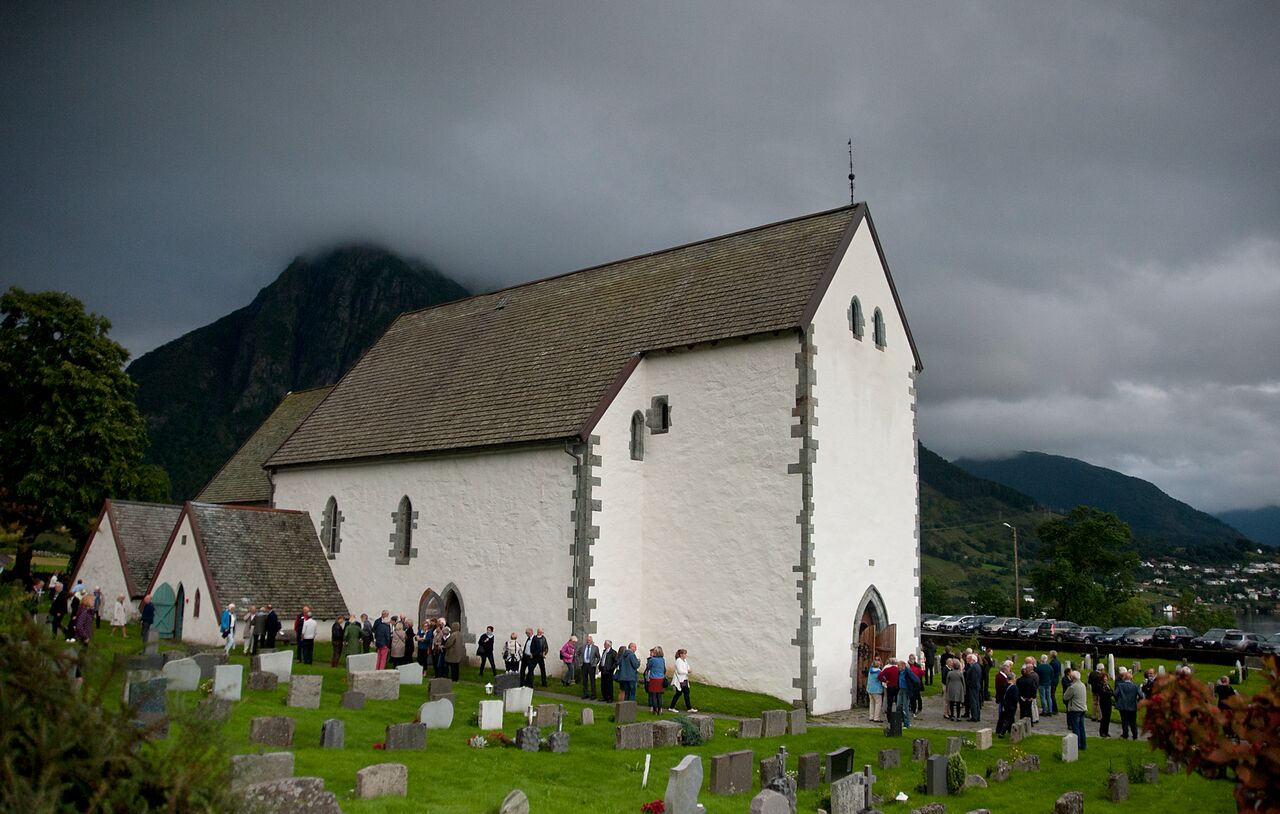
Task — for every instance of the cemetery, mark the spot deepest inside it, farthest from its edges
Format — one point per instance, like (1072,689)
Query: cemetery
(433,745)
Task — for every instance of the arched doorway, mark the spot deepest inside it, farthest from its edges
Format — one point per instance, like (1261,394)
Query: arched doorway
(873,637)
(162,597)
(455,612)
(179,611)
(430,606)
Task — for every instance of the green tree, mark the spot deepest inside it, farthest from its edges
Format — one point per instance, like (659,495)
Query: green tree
(993,599)
(70,434)
(1087,566)
(933,597)
(1201,617)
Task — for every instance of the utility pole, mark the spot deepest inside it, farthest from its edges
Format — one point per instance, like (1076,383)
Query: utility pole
(1017,587)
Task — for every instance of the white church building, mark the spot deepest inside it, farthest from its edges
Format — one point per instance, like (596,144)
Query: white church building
(710,447)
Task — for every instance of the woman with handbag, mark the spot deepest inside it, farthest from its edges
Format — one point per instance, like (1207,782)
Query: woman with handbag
(655,675)
(680,684)
(511,653)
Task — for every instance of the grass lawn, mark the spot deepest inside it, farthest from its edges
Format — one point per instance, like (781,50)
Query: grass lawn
(453,778)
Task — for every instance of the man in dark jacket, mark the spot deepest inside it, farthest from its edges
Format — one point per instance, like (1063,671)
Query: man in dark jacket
(58,607)
(540,657)
(382,638)
(930,657)
(484,649)
(586,662)
(1127,705)
(273,626)
(1055,680)
(608,663)
(259,631)
(1028,688)
(148,618)
(973,687)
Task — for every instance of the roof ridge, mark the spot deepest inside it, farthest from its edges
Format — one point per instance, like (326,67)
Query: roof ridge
(115,502)
(242,508)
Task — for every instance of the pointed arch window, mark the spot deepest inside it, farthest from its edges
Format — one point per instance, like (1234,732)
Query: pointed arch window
(405,520)
(878,327)
(196,611)
(637,436)
(856,323)
(331,528)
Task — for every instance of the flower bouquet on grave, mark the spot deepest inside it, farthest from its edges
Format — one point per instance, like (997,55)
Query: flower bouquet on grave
(477,742)
(500,737)
(653,807)
(379,746)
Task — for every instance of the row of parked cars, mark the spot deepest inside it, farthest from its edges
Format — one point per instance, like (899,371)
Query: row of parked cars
(1060,630)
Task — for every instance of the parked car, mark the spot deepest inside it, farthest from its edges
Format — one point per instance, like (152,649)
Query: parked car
(993,626)
(1028,628)
(1241,642)
(1061,628)
(1140,636)
(934,623)
(953,624)
(1114,636)
(1038,629)
(1270,644)
(924,617)
(1083,635)
(975,625)
(1011,627)
(1172,636)
(1211,640)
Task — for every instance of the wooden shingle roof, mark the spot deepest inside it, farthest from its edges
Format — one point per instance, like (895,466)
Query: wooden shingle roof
(242,478)
(536,361)
(141,531)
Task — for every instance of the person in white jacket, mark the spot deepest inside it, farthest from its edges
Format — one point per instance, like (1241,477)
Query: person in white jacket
(680,683)
(308,643)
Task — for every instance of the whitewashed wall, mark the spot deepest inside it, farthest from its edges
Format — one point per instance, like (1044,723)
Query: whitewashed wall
(100,566)
(496,525)
(865,484)
(697,541)
(181,566)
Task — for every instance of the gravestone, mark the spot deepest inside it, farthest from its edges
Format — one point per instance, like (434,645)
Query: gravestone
(280,663)
(769,801)
(798,722)
(214,710)
(409,737)
(146,697)
(528,738)
(209,662)
(588,716)
(1070,803)
(634,736)
(809,772)
(410,674)
(774,723)
(151,644)
(304,691)
(436,714)
(1002,770)
(548,715)
(514,803)
(377,685)
(1070,748)
(930,808)
(706,726)
(362,662)
(666,733)
(975,781)
(152,662)
(382,780)
(183,674)
(684,781)
(490,715)
(624,712)
(503,683)
(290,796)
(770,768)
(839,763)
(1017,732)
(750,728)
(890,758)
(1027,763)
(1118,787)
(785,786)
(848,795)
(954,745)
(352,700)
(517,700)
(983,738)
(227,680)
(935,776)
(272,730)
(1150,773)
(439,688)
(263,681)
(920,749)
(333,734)
(558,742)
(731,773)
(249,769)
(893,729)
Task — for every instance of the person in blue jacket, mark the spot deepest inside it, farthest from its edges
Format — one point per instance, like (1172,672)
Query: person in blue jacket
(875,694)
(909,686)
(1127,697)
(655,675)
(628,672)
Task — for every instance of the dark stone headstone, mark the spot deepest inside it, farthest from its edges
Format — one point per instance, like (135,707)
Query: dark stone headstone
(408,737)
(774,723)
(333,734)
(352,699)
(666,733)
(624,712)
(930,808)
(1002,771)
(770,768)
(889,758)
(528,738)
(750,728)
(1027,763)
(920,749)
(272,730)
(839,763)
(798,722)
(954,745)
(263,681)
(151,645)
(439,688)
(893,729)
(768,801)
(208,664)
(1070,803)
(935,776)
(147,697)
(304,691)
(706,726)
(249,769)
(634,736)
(809,775)
(382,780)
(731,773)
(503,683)
(1150,773)
(786,787)
(291,796)
(548,715)
(1118,787)
(558,742)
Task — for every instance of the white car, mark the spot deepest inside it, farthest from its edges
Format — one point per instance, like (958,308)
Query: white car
(933,624)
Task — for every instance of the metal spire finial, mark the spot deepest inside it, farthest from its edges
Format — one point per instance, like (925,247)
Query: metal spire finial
(851,196)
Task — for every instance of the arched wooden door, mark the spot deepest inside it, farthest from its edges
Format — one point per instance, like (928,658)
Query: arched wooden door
(453,612)
(430,606)
(873,638)
(163,598)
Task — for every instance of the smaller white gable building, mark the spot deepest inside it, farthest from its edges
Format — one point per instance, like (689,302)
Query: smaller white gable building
(124,549)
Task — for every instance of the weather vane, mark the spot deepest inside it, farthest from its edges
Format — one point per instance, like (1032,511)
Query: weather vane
(851,198)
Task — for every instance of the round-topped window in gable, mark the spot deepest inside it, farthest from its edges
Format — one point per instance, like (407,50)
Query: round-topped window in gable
(878,326)
(856,322)
(637,436)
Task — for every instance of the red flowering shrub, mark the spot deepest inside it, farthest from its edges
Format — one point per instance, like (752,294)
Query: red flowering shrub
(653,807)
(1241,741)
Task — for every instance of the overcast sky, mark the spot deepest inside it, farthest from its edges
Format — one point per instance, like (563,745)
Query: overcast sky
(1080,202)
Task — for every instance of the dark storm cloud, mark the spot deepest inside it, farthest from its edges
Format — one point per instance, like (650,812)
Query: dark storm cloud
(1079,201)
